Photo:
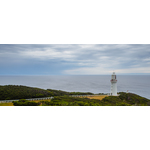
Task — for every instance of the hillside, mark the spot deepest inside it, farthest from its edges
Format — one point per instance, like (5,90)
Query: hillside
(21,92)
(62,98)
(10,92)
(134,99)
(123,100)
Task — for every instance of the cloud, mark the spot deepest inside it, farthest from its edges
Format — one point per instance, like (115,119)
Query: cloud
(48,54)
(77,58)
(105,71)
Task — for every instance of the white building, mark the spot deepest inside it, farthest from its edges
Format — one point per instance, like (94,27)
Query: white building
(113,85)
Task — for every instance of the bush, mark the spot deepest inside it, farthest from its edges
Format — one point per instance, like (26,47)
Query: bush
(24,103)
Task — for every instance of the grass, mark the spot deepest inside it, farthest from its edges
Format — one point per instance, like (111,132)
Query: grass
(99,97)
(6,104)
(41,100)
(11,104)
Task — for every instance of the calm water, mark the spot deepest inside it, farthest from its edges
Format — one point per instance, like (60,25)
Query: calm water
(138,84)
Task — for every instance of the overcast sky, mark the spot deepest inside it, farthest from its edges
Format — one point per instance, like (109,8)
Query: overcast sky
(76,59)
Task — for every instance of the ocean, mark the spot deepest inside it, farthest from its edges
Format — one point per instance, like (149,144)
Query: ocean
(138,84)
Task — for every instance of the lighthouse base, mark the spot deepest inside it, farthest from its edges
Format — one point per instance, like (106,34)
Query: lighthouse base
(113,89)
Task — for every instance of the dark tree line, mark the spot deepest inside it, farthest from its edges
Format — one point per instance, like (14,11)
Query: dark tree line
(62,93)
(21,92)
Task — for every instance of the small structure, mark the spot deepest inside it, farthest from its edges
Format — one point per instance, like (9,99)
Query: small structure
(113,85)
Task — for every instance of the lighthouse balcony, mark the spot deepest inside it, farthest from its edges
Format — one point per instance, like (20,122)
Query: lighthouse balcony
(113,80)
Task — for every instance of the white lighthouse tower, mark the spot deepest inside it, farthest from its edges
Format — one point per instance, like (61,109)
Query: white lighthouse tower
(113,85)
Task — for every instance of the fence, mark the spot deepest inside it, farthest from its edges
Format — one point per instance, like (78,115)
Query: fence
(32,99)
(46,98)
(87,95)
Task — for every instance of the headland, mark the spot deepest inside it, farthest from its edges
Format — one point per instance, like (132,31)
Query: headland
(29,96)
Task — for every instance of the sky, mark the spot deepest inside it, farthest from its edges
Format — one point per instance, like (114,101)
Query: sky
(74,59)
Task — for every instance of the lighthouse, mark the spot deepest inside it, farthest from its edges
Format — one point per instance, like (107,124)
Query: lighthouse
(113,85)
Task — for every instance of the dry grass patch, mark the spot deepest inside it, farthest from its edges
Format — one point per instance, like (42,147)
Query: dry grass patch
(99,97)
(6,104)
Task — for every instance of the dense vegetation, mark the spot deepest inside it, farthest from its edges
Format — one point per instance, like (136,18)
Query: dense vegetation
(23,102)
(10,92)
(134,99)
(125,99)
(21,92)
(63,93)
(74,101)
